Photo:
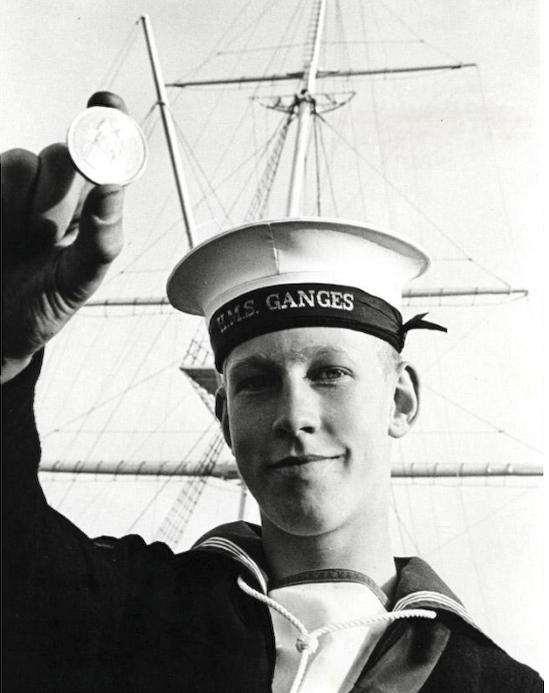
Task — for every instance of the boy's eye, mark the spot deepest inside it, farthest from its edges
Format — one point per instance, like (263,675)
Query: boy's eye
(330,374)
(253,383)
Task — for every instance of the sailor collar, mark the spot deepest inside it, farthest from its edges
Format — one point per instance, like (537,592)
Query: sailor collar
(417,585)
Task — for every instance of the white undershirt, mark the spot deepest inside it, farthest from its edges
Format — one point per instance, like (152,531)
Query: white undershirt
(341,655)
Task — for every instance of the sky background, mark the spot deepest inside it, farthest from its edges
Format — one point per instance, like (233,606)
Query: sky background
(463,146)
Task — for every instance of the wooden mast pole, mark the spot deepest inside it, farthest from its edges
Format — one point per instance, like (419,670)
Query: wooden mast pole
(242,500)
(180,183)
(305,110)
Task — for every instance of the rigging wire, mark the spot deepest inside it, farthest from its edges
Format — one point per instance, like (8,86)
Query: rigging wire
(194,159)
(264,185)
(118,403)
(170,476)
(291,26)
(253,24)
(137,369)
(399,18)
(111,398)
(254,135)
(261,49)
(148,123)
(412,516)
(488,516)
(242,120)
(232,138)
(350,84)
(94,502)
(395,510)
(49,372)
(150,246)
(205,123)
(447,440)
(379,139)
(263,190)
(448,482)
(502,198)
(496,428)
(317,166)
(93,348)
(397,94)
(481,322)
(471,546)
(381,144)
(213,52)
(258,153)
(176,519)
(434,520)
(167,413)
(109,79)
(403,527)
(445,235)
(327,165)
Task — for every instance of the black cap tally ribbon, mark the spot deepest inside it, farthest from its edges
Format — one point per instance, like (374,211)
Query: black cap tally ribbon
(286,306)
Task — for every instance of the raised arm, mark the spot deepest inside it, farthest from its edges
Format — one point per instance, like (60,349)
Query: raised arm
(59,236)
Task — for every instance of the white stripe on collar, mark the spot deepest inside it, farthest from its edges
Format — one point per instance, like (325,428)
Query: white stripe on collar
(239,554)
(434,599)
(427,598)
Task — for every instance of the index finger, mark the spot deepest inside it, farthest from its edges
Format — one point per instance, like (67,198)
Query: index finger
(60,190)
(58,196)
(19,169)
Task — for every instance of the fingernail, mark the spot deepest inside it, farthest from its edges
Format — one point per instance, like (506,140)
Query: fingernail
(108,99)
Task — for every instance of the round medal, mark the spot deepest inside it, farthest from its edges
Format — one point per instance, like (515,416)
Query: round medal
(107,146)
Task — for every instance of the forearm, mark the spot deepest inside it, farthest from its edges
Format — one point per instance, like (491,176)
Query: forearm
(21,494)
(59,608)
(20,442)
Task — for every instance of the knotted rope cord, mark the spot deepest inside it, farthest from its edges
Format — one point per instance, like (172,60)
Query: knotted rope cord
(307,642)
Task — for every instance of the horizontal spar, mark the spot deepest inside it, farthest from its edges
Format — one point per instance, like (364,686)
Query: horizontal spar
(229,471)
(139,468)
(410,294)
(291,76)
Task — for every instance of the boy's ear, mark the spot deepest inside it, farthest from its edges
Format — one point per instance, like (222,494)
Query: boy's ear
(222,413)
(405,407)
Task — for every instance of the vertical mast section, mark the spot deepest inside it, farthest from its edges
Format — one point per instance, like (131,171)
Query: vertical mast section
(305,109)
(242,501)
(180,183)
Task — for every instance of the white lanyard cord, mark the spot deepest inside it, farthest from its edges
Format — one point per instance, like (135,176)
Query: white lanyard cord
(307,642)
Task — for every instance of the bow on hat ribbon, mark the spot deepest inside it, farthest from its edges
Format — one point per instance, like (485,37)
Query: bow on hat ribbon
(418,323)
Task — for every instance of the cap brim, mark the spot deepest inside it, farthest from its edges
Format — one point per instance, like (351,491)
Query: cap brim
(236,252)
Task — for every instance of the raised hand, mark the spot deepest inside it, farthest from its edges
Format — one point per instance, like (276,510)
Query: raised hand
(59,237)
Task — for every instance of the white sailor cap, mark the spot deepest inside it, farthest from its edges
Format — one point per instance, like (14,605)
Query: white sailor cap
(295,272)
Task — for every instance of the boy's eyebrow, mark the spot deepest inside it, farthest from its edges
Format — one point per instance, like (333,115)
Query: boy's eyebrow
(261,360)
(257,360)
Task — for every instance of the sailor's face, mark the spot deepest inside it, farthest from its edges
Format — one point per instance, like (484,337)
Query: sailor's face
(309,416)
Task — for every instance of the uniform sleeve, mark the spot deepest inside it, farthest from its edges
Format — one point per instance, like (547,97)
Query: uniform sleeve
(63,598)
(22,499)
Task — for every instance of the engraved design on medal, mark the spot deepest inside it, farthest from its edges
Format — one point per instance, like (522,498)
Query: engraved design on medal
(107,146)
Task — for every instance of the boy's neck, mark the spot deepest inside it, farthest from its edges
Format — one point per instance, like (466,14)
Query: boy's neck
(289,554)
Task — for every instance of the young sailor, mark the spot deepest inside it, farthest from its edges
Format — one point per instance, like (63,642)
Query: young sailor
(306,332)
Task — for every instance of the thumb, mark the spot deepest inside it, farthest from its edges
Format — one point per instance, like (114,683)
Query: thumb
(99,241)
(100,229)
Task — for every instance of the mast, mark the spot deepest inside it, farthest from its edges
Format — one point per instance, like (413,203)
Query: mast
(242,501)
(305,103)
(180,183)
